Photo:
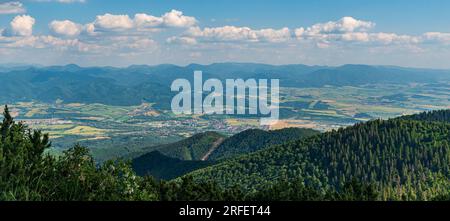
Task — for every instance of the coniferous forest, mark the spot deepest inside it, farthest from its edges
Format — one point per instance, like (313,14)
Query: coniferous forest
(406,158)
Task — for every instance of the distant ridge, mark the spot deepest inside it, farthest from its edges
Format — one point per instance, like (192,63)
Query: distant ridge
(137,83)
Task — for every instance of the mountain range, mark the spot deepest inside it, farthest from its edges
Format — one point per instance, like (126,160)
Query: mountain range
(134,84)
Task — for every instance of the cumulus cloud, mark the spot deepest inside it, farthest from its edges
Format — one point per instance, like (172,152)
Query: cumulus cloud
(66,28)
(332,28)
(47,41)
(345,29)
(225,33)
(173,18)
(324,35)
(355,36)
(113,22)
(142,21)
(147,21)
(142,44)
(273,35)
(388,38)
(348,29)
(108,33)
(232,34)
(181,40)
(437,37)
(131,44)
(12,8)
(90,29)
(176,18)
(21,25)
(343,25)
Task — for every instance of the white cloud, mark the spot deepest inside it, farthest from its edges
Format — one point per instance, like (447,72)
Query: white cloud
(131,44)
(176,18)
(22,25)
(345,29)
(60,44)
(355,36)
(142,44)
(142,21)
(225,33)
(113,22)
(437,37)
(51,42)
(233,33)
(342,26)
(15,42)
(147,21)
(11,8)
(349,29)
(388,38)
(181,40)
(66,28)
(273,35)
(173,18)
(90,29)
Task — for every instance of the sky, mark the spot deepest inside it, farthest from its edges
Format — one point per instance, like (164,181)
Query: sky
(411,33)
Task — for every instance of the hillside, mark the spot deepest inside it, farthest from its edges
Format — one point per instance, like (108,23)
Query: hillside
(405,159)
(253,140)
(192,148)
(205,149)
(163,167)
(437,115)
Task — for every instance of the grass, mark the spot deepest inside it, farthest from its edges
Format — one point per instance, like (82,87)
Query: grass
(242,122)
(116,113)
(85,131)
(331,113)
(56,127)
(62,130)
(35,111)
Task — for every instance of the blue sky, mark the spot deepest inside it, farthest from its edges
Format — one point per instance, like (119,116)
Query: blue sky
(98,32)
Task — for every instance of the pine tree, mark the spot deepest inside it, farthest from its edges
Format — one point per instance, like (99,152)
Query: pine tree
(7,122)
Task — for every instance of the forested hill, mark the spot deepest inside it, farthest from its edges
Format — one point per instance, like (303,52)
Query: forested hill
(192,148)
(437,115)
(160,166)
(215,146)
(204,149)
(405,159)
(253,140)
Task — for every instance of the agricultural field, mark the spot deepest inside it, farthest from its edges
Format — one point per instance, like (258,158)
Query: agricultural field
(114,131)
